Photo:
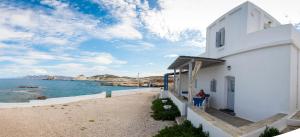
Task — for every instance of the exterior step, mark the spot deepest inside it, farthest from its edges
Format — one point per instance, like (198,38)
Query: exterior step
(180,120)
(289,128)
(294,120)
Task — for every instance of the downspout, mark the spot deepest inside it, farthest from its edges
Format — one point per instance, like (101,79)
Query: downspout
(297,85)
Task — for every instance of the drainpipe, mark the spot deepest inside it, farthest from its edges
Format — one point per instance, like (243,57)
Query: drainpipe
(297,88)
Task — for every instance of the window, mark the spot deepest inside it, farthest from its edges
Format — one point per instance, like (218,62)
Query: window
(213,85)
(220,38)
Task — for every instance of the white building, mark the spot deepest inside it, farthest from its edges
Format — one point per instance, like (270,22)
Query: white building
(250,66)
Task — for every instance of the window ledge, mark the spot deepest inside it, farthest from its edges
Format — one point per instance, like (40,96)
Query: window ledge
(220,48)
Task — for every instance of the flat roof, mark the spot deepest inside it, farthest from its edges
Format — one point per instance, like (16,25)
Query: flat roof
(206,62)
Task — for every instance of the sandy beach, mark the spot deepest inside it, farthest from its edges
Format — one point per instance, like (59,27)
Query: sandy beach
(120,116)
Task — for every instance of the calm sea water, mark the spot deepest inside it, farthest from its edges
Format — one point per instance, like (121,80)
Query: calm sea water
(10,91)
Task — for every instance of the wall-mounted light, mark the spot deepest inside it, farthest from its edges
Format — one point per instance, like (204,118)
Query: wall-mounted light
(228,67)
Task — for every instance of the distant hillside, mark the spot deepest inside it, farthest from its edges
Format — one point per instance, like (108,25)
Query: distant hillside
(48,77)
(113,80)
(109,80)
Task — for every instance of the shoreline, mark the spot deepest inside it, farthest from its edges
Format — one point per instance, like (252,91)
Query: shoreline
(63,100)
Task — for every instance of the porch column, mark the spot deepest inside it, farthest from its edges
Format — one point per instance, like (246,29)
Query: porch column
(179,85)
(195,71)
(190,82)
(174,81)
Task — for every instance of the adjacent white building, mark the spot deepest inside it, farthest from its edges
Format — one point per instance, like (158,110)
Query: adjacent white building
(250,66)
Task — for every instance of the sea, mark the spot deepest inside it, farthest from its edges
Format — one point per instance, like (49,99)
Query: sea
(24,90)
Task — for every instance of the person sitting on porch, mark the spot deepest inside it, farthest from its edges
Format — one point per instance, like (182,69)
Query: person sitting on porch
(201,94)
(199,98)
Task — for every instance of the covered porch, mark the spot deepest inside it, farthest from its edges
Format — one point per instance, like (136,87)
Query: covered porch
(185,72)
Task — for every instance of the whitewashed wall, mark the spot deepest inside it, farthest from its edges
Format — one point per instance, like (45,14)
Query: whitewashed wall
(263,61)
(262,80)
(234,23)
(256,18)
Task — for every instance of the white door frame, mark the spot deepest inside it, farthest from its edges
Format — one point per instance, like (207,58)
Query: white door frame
(227,78)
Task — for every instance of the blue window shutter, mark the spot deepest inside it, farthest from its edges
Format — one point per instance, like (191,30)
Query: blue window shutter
(222,37)
(218,39)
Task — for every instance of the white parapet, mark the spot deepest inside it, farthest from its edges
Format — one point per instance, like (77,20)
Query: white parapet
(208,126)
(164,94)
(181,104)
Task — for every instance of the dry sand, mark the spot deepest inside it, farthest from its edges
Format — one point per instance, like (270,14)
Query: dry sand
(123,116)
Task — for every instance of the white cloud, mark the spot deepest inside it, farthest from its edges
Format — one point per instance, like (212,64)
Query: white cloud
(171,56)
(150,63)
(125,12)
(28,56)
(21,70)
(74,69)
(102,58)
(138,46)
(18,60)
(7,33)
(63,26)
(176,18)
(39,71)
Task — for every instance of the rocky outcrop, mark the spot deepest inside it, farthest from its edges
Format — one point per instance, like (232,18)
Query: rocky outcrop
(81,77)
(41,98)
(28,87)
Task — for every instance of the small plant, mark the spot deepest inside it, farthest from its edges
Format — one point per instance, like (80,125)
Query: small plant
(160,113)
(186,129)
(270,132)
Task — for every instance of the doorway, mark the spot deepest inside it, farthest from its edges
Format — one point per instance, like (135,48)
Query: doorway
(230,84)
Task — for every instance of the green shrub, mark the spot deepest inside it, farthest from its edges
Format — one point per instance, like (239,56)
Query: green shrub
(159,113)
(270,132)
(186,129)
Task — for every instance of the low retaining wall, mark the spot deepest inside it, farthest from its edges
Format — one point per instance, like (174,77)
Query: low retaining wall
(182,105)
(164,94)
(279,124)
(133,91)
(219,128)
(197,120)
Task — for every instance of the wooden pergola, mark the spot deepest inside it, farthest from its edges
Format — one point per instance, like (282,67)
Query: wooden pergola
(192,65)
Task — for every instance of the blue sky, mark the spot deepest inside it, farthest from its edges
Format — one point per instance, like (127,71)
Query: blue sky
(121,37)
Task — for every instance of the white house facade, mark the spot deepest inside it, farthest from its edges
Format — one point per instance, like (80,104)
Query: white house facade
(250,66)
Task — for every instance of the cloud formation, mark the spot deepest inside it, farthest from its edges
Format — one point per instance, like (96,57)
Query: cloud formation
(50,35)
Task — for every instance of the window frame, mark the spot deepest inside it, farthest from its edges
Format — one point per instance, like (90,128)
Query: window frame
(213,85)
(220,38)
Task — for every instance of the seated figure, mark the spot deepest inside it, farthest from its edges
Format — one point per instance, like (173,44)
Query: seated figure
(201,94)
(200,98)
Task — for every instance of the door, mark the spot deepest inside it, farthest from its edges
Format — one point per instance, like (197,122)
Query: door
(230,92)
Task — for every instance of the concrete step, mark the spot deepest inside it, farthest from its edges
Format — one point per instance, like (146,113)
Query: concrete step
(294,120)
(289,128)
